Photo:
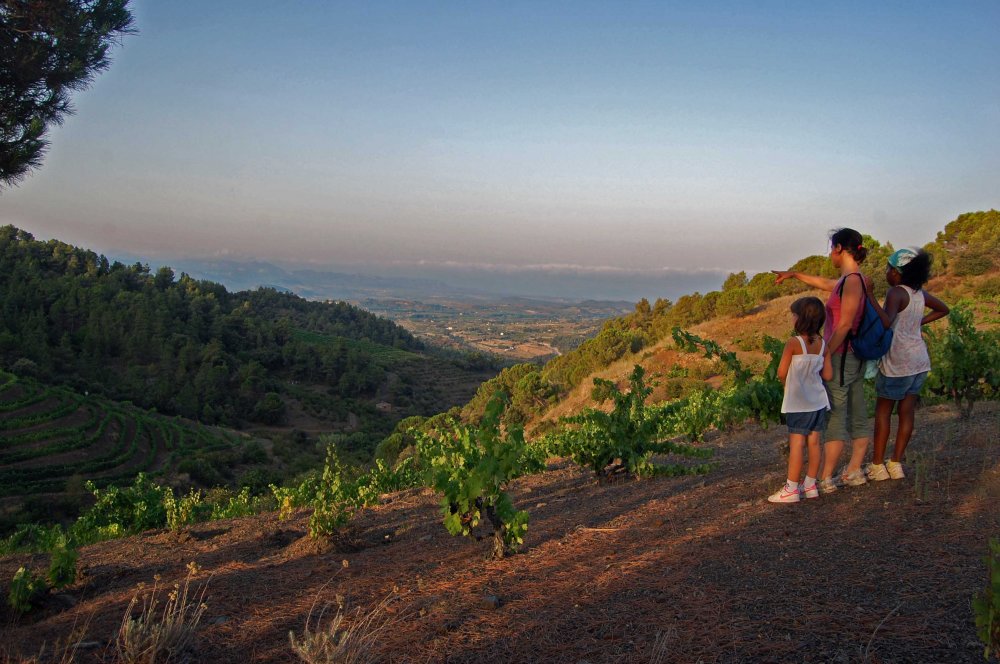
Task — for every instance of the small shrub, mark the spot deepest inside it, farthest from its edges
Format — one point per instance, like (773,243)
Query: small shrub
(986,605)
(62,567)
(971,264)
(32,537)
(225,504)
(383,478)
(289,499)
(471,467)
(988,288)
(621,440)
(332,507)
(182,511)
(965,361)
(120,511)
(25,589)
(697,414)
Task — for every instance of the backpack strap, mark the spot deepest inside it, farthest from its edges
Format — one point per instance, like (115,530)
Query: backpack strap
(850,333)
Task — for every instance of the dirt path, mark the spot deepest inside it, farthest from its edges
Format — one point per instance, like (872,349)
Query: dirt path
(879,573)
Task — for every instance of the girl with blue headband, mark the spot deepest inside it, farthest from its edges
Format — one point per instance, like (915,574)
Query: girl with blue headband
(904,368)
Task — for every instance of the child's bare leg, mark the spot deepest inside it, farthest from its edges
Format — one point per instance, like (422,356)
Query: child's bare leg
(796,444)
(831,455)
(907,407)
(883,423)
(812,468)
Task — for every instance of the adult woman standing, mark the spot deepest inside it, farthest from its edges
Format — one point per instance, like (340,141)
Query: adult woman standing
(844,308)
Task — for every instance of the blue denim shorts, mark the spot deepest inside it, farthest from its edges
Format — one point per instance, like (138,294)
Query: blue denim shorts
(806,423)
(897,388)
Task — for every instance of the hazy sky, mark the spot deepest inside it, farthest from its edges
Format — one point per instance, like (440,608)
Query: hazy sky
(607,137)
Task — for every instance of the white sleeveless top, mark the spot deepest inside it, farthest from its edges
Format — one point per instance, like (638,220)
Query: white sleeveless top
(907,355)
(804,390)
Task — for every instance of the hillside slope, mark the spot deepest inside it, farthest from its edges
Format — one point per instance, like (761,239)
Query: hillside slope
(883,572)
(191,348)
(740,315)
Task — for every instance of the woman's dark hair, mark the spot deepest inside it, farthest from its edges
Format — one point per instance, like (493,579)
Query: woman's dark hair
(916,273)
(850,241)
(811,316)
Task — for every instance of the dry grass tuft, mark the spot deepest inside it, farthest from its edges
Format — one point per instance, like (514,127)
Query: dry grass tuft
(161,637)
(340,643)
(660,646)
(63,651)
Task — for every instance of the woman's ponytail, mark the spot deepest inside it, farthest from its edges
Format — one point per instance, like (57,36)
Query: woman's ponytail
(850,241)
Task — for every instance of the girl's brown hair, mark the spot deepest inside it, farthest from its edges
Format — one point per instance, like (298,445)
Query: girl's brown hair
(811,316)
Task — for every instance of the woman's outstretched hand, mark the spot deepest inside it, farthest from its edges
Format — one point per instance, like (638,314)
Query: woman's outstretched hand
(781,275)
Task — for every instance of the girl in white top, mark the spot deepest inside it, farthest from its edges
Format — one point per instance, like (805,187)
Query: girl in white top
(904,368)
(804,364)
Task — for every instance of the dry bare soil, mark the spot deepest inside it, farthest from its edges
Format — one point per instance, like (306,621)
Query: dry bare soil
(880,573)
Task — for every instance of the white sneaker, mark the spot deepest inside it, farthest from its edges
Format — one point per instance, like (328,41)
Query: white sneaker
(783,495)
(856,478)
(829,485)
(876,472)
(811,492)
(895,470)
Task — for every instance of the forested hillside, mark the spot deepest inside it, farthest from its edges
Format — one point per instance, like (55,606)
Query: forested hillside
(181,346)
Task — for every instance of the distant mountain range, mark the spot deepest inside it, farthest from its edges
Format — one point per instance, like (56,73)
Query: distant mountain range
(313,284)
(435,283)
(239,275)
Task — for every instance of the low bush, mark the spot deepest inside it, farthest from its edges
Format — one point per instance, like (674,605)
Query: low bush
(986,605)
(25,589)
(332,503)
(966,361)
(62,567)
(471,466)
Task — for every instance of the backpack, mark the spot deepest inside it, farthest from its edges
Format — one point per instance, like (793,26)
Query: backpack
(871,340)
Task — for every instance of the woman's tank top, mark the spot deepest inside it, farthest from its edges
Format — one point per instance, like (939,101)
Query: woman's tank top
(908,354)
(833,314)
(804,391)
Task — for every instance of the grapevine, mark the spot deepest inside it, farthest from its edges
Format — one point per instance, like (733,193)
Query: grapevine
(471,466)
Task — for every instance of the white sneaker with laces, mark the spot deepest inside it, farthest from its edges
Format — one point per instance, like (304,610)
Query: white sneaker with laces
(783,495)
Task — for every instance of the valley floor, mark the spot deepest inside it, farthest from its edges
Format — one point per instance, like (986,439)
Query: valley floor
(693,569)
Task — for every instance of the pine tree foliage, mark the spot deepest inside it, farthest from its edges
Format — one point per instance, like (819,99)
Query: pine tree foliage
(48,49)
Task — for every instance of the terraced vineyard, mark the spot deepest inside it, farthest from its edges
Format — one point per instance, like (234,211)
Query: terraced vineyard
(52,439)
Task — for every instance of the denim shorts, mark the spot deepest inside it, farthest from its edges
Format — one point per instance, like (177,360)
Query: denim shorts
(897,388)
(806,423)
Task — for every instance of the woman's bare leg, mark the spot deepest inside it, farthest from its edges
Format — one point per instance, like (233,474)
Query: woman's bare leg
(831,456)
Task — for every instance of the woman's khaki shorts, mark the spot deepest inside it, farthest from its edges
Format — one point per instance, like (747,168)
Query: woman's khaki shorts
(848,410)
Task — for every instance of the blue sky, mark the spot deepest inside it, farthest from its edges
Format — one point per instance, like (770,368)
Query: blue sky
(541,137)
